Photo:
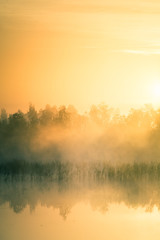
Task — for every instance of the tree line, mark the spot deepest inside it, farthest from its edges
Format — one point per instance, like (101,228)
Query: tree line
(102,135)
(102,115)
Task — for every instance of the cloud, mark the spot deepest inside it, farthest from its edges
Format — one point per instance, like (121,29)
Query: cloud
(44,7)
(141,52)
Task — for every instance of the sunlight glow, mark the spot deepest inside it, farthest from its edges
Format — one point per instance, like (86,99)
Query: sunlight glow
(156,91)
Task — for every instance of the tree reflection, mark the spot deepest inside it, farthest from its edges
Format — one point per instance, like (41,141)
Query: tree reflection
(140,189)
(58,157)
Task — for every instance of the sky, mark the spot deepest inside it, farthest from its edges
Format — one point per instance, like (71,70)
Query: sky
(84,52)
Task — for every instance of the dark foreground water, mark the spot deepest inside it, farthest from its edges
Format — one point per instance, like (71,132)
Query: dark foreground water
(121,203)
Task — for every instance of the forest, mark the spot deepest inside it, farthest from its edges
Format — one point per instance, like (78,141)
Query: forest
(61,144)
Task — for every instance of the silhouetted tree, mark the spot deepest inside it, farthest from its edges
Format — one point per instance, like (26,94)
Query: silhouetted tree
(17,121)
(32,116)
(46,116)
(3,117)
(63,116)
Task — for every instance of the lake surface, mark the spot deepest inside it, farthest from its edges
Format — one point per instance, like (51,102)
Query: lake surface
(45,210)
(83,222)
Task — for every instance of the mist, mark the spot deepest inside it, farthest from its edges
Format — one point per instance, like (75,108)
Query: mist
(58,142)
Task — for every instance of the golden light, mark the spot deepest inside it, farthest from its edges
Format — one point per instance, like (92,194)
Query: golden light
(156,90)
(153,92)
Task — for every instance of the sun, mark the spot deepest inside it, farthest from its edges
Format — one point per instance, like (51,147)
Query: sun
(155,92)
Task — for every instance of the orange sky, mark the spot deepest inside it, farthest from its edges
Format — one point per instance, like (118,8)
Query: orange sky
(79,52)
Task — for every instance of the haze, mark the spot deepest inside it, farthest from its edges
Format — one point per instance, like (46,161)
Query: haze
(79,52)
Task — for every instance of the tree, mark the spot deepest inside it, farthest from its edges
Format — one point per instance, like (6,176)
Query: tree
(32,116)
(46,115)
(101,114)
(17,121)
(63,116)
(3,116)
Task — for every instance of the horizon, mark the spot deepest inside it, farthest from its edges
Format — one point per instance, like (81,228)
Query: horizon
(80,119)
(124,110)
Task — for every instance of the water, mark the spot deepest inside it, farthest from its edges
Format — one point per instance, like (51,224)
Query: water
(83,222)
(70,176)
(41,209)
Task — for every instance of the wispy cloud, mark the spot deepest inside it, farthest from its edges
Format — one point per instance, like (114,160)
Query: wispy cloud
(142,52)
(41,7)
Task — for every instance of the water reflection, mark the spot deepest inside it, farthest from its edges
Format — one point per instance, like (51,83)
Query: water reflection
(22,192)
(85,202)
